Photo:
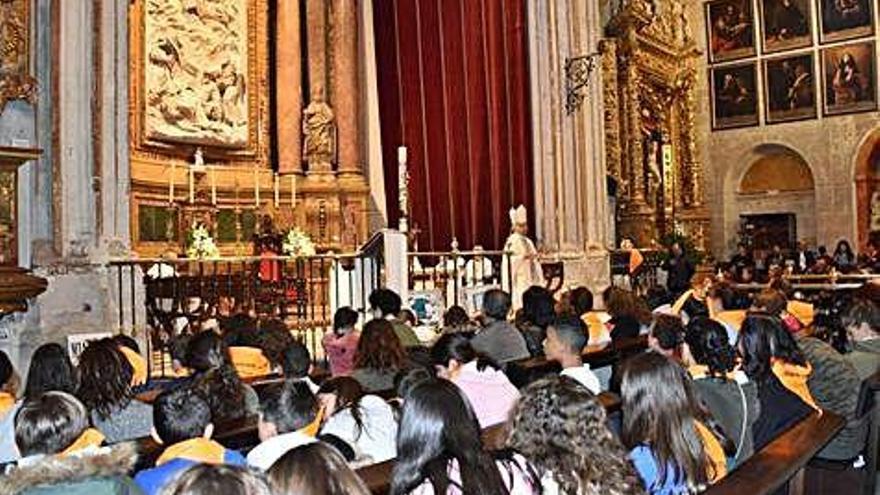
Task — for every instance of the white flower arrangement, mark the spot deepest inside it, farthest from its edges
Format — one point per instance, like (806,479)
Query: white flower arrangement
(297,244)
(201,245)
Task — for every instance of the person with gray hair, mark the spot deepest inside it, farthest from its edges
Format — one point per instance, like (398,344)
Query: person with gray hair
(499,340)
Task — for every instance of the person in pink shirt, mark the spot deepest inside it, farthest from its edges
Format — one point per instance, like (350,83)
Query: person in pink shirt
(341,343)
(486,387)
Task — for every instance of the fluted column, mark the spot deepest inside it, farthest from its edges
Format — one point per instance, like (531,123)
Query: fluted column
(288,84)
(319,120)
(345,86)
(316,22)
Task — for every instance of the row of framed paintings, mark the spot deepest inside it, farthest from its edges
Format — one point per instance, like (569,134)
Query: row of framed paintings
(785,25)
(848,76)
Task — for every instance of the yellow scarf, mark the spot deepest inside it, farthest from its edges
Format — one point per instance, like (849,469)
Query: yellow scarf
(89,438)
(199,449)
(7,402)
(249,362)
(138,365)
(679,303)
(804,312)
(717,468)
(794,378)
(311,429)
(734,318)
(596,326)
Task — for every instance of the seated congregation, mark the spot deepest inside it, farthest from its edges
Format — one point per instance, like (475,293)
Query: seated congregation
(689,398)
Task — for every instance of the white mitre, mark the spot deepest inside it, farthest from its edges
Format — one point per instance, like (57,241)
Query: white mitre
(518,215)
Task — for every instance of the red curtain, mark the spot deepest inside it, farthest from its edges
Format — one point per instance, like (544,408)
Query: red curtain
(453,89)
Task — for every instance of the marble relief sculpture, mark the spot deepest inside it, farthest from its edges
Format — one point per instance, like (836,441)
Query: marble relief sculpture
(319,131)
(195,75)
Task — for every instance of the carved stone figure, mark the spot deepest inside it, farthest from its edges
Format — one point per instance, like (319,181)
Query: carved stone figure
(319,129)
(15,82)
(875,211)
(195,71)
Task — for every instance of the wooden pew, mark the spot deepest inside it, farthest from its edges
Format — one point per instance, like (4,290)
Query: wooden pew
(782,460)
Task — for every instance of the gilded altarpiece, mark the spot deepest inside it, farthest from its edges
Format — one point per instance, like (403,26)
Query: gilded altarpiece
(649,76)
(200,80)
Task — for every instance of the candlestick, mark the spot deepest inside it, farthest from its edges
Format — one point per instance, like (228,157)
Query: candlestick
(213,187)
(171,183)
(192,185)
(256,187)
(277,197)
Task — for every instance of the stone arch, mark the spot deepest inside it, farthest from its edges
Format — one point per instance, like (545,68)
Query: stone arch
(770,178)
(866,182)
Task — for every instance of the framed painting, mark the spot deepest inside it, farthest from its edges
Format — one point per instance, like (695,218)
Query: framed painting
(734,96)
(790,88)
(849,80)
(730,26)
(785,24)
(845,19)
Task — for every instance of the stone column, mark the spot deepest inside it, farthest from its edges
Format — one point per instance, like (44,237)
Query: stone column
(288,84)
(319,121)
(346,90)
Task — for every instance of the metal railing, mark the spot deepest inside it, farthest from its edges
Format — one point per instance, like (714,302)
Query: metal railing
(643,278)
(170,297)
(456,276)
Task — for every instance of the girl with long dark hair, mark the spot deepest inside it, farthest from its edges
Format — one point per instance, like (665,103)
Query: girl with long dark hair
(379,357)
(105,388)
(215,378)
(439,450)
(772,359)
(490,393)
(675,444)
(365,422)
(725,391)
(50,370)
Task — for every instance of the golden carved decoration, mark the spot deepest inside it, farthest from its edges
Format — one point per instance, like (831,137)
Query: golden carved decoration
(198,77)
(650,113)
(15,81)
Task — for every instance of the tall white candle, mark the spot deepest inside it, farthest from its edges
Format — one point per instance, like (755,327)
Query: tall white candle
(401,154)
(277,192)
(293,190)
(192,185)
(213,187)
(256,187)
(171,183)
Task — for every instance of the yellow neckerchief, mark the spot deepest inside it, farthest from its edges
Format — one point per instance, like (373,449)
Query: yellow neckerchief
(698,371)
(89,438)
(7,402)
(717,467)
(201,449)
(804,312)
(635,260)
(138,365)
(679,303)
(595,325)
(249,362)
(734,318)
(794,378)
(312,429)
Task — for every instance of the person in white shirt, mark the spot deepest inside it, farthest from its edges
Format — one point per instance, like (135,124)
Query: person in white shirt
(288,419)
(365,422)
(566,339)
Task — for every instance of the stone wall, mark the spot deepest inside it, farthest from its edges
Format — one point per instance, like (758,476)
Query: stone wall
(828,145)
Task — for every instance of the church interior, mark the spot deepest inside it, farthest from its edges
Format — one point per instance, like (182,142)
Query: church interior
(375,246)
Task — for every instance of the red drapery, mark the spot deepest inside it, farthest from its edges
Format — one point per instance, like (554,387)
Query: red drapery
(453,89)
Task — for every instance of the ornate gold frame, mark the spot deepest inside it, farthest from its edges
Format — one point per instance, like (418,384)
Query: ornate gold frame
(257,87)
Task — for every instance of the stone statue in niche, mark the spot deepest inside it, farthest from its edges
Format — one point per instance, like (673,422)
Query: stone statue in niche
(195,70)
(875,212)
(319,129)
(652,141)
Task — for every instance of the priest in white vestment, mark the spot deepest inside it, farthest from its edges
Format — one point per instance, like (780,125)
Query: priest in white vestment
(521,269)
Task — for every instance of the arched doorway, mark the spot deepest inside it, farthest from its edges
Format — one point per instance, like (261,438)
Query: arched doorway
(775,200)
(867,185)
